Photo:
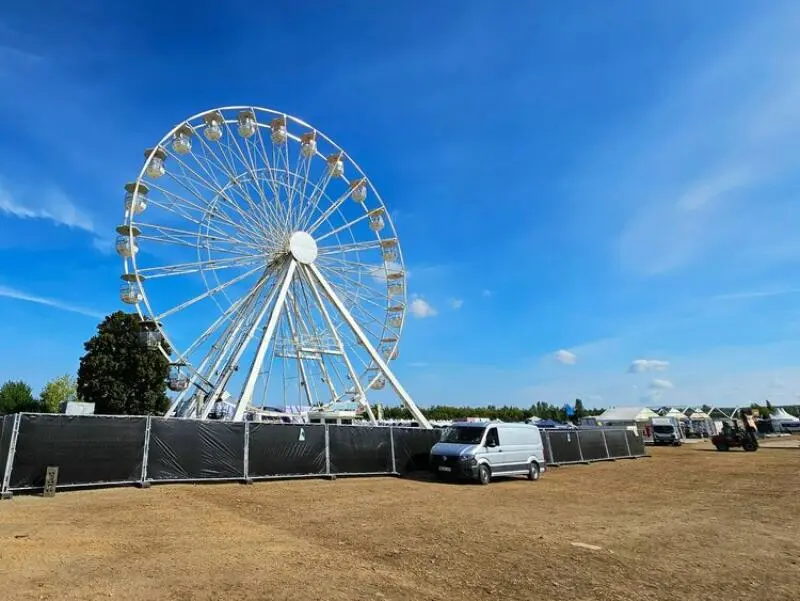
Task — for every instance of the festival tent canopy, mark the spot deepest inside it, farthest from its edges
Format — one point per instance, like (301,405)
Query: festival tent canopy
(676,413)
(627,414)
(779,414)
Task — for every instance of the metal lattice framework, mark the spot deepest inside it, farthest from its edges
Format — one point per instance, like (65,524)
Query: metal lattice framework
(264,265)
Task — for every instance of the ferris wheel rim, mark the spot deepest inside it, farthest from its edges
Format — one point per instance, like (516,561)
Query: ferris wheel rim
(144,307)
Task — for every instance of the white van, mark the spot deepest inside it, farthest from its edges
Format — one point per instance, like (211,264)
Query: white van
(481,450)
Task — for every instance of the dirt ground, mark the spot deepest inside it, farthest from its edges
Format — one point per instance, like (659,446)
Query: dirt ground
(687,523)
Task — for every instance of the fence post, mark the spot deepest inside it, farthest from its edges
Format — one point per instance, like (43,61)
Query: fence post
(246,462)
(580,448)
(605,444)
(550,448)
(143,482)
(627,442)
(327,451)
(394,457)
(12,450)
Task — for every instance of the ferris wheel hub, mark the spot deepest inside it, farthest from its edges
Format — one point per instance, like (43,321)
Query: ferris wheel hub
(303,247)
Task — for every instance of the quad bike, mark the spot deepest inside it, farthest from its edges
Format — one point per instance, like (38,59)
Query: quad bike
(734,436)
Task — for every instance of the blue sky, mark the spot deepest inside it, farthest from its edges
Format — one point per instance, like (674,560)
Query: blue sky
(576,186)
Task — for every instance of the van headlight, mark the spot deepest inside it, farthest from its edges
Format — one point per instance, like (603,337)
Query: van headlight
(467,460)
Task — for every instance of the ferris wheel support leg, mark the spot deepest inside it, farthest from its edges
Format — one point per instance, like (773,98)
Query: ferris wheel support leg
(261,352)
(232,362)
(362,397)
(401,392)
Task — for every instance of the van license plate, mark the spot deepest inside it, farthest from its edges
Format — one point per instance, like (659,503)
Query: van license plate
(445,468)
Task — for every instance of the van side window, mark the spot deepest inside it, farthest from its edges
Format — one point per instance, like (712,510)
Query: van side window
(492,437)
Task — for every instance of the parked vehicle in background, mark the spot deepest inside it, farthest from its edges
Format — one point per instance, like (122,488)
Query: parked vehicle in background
(482,450)
(733,435)
(666,430)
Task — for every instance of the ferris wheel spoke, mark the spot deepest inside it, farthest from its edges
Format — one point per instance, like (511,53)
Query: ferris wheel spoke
(230,174)
(247,227)
(326,214)
(196,266)
(193,239)
(249,163)
(235,316)
(207,293)
(323,251)
(301,175)
(249,235)
(342,228)
(173,241)
(189,179)
(346,279)
(317,193)
(235,311)
(369,269)
(261,148)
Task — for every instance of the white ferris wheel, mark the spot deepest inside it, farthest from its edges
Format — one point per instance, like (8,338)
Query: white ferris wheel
(264,265)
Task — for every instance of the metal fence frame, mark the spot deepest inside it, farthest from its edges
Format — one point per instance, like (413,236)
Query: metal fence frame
(8,450)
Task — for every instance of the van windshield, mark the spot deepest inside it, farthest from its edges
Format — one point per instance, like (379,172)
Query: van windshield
(463,435)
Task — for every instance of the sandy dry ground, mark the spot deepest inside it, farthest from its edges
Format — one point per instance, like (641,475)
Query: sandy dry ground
(688,523)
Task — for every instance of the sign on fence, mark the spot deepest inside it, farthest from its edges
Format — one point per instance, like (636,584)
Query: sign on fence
(50,481)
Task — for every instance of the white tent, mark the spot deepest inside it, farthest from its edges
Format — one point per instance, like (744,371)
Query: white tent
(783,420)
(677,414)
(626,415)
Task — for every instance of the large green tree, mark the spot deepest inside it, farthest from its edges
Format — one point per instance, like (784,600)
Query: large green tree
(119,374)
(57,391)
(16,396)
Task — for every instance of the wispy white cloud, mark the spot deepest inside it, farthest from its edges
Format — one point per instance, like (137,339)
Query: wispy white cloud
(661,384)
(486,293)
(565,357)
(641,365)
(420,308)
(704,164)
(756,294)
(456,303)
(50,204)
(8,292)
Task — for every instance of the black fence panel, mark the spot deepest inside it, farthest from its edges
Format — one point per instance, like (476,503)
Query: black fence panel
(564,446)
(195,450)
(360,450)
(6,428)
(592,445)
(286,450)
(86,449)
(636,443)
(548,457)
(412,448)
(615,439)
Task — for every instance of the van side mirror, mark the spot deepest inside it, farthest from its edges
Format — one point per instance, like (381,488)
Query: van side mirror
(491,443)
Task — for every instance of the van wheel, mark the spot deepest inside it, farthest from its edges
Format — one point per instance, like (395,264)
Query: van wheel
(484,475)
(533,471)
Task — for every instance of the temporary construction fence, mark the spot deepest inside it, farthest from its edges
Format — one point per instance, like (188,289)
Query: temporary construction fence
(110,450)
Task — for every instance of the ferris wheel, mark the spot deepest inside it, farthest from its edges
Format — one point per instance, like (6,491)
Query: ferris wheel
(264,265)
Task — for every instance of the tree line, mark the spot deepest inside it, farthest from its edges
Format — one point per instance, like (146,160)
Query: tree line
(506,413)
